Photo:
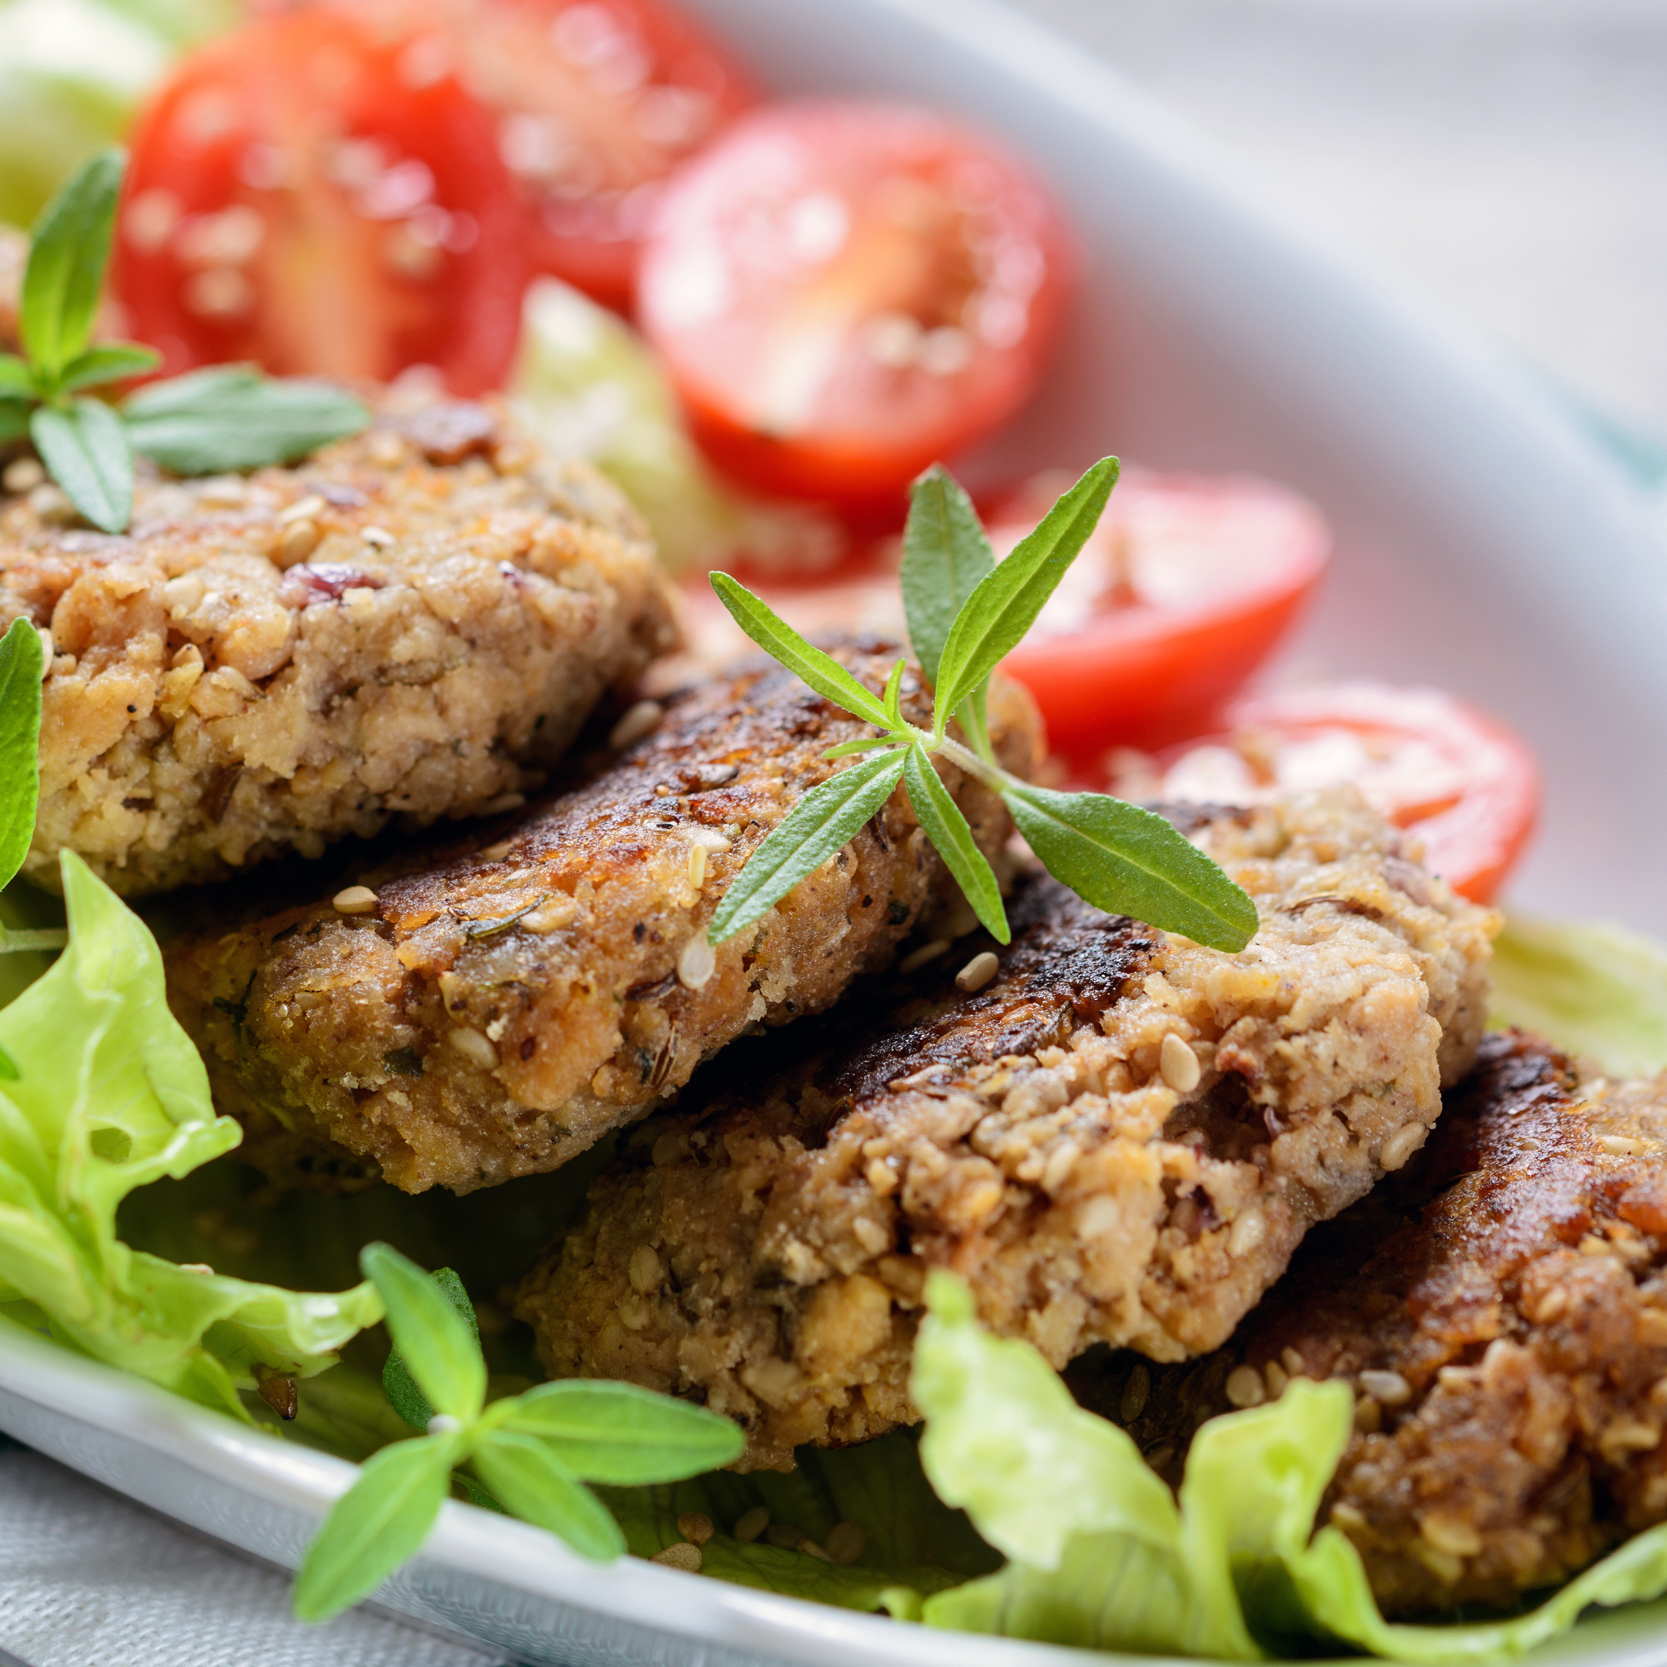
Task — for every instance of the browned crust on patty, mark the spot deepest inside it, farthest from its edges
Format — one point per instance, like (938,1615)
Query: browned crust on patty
(414,621)
(498,1012)
(1501,1310)
(763,1246)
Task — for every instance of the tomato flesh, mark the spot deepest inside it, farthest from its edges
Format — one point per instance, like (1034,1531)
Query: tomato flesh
(597,102)
(1459,780)
(844,292)
(321,199)
(1185,587)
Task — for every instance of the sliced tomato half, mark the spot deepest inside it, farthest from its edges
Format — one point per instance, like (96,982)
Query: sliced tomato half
(596,102)
(1458,779)
(844,292)
(322,198)
(1184,589)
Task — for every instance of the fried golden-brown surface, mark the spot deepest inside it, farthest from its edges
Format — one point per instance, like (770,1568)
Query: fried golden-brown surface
(1500,1308)
(1121,1138)
(416,620)
(494,1014)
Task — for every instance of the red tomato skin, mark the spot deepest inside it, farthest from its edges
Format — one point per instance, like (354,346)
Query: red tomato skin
(898,421)
(603,262)
(1148,676)
(1473,842)
(323,295)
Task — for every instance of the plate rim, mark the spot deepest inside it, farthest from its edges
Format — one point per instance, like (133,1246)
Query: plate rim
(467,1540)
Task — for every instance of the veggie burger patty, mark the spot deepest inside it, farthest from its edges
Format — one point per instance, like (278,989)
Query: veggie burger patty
(415,620)
(1114,1134)
(494,1014)
(1500,1307)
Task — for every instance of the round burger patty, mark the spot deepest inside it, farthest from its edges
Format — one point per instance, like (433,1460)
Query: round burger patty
(1115,1134)
(1500,1309)
(493,1010)
(413,621)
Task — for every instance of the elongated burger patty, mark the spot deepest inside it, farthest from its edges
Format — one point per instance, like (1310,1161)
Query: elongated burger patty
(1500,1308)
(493,1015)
(1120,1136)
(414,621)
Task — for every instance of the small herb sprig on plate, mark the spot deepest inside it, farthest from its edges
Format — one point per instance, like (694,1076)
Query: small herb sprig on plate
(965,613)
(529,1454)
(225,418)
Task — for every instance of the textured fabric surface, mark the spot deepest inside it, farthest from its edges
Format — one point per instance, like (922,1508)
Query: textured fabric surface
(89,1580)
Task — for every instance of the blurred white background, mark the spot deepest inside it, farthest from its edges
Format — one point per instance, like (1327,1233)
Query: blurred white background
(1503,159)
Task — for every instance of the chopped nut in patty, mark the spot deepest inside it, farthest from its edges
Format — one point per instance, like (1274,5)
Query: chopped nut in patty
(1119,1137)
(1500,1308)
(495,1014)
(416,620)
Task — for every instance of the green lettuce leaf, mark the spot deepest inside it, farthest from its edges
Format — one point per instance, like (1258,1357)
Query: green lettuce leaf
(72,73)
(588,384)
(110,1096)
(1590,988)
(1102,1557)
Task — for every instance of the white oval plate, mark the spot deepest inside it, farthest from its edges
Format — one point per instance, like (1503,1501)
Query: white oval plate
(1481,546)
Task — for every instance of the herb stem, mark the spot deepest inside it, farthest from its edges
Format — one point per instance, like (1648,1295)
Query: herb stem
(987,771)
(18,943)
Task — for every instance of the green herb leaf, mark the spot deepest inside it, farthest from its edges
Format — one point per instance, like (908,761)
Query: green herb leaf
(17,381)
(945,558)
(231,417)
(108,362)
(14,419)
(70,244)
(778,639)
(479,1494)
(624,1434)
(1130,861)
(893,698)
(994,619)
(437,1345)
(379,1523)
(947,828)
(85,450)
(816,827)
(21,667)
(526,1475)
(401,1388)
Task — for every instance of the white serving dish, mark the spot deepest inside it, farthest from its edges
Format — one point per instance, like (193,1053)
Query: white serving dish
(1481,546)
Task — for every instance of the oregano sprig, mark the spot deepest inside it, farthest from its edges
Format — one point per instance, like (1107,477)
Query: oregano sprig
(226,418)
(530,1454)
(966,612)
